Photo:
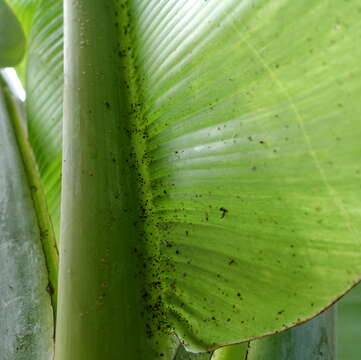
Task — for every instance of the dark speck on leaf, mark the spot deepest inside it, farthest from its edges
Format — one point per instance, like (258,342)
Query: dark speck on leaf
(107,105)
(224,212)
(231,262)
(50,289)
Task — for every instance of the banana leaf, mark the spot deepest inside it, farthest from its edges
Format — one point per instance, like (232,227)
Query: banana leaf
(240,122)
(12,39)
(43,78)
(348,329)
(235,126)
(26,314)
(314,340)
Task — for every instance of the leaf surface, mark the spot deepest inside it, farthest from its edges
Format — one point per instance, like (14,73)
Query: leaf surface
(314,340)
(24,10)
(182,354)
(44,81)
(246,125)
(26,317)
(12,39)
(348,325)
(250,112)
(232,352)
(43,21)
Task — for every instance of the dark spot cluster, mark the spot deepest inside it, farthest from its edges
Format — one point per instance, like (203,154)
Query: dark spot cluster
(223,211)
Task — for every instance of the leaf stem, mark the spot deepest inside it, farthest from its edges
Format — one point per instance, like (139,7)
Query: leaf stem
(110,304)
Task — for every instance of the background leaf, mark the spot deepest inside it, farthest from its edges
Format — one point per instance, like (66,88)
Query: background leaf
(26,317)
(314,340)
(348,327)
(232,352)
(12,40)
(183,354)
(24,10)
(44,86)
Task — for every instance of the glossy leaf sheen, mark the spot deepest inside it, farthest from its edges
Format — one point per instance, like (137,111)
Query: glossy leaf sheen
(26,319)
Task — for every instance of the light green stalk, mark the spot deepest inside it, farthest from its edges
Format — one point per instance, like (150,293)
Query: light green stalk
(105,309)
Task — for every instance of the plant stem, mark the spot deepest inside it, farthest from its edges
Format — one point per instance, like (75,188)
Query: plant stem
(106,310)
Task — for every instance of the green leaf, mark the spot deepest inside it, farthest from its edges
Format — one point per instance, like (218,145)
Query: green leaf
(233,352)
(183,354)
(26,317)
(44,87)
(244,121)
(348,327)
(314,340)
(12,39)
(24,10)
(44,84)
(251,114)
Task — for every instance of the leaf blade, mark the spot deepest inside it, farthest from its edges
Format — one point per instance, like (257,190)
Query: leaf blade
(313,340)
(348,325)
(252,165)
(12,39)
(44,105)
(26,324)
